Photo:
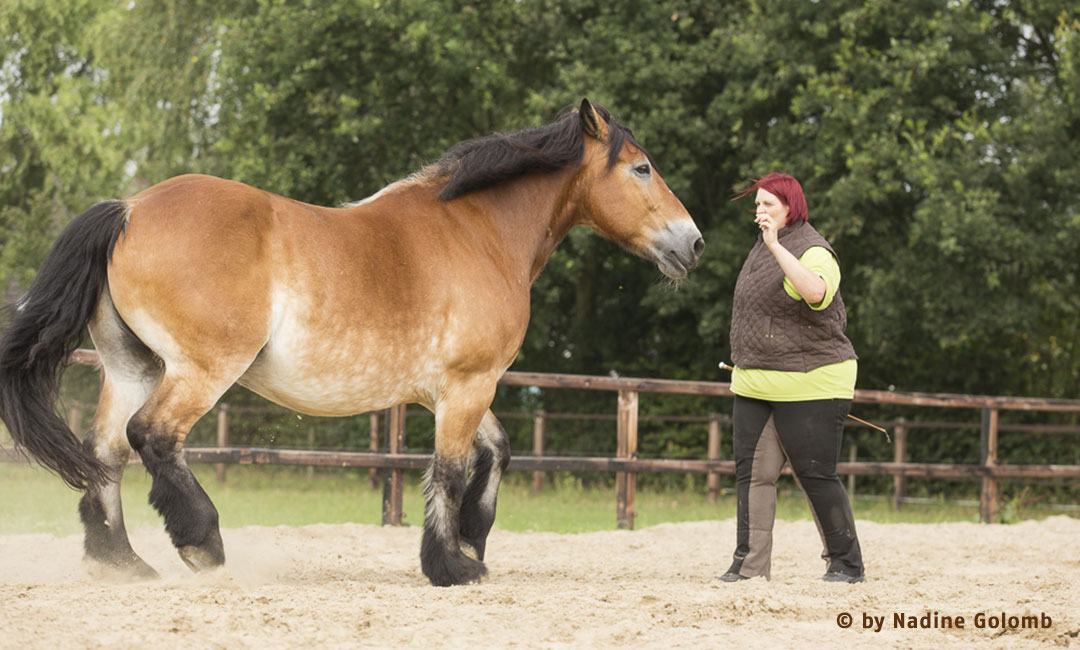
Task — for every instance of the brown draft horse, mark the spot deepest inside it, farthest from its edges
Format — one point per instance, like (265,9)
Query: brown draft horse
(418,294)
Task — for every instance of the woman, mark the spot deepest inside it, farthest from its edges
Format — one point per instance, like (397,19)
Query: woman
(794,379)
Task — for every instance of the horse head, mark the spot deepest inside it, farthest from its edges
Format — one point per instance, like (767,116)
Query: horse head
(626,200)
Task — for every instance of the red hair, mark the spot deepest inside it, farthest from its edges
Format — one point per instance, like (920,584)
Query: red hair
(785,188)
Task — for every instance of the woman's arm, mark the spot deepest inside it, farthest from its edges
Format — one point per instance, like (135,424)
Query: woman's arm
(809,284)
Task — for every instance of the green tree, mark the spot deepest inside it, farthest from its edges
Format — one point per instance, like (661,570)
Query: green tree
(58,134)
(936,141)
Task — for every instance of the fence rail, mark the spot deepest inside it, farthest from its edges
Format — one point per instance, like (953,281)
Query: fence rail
(627,465)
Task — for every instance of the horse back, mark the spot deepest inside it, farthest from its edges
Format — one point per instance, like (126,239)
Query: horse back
(329,301)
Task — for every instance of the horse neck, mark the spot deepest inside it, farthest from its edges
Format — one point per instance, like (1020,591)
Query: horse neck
(532,215)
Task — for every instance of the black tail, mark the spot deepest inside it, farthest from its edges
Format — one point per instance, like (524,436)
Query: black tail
(46,326)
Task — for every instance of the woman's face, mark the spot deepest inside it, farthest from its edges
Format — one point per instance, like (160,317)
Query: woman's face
(768,206)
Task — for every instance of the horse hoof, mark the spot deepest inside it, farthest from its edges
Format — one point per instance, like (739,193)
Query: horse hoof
(473,549)
(130,568)
(457,569)
(475,573)
(143,571)
(198,559)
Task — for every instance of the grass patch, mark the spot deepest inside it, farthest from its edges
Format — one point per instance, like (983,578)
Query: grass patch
(35,501)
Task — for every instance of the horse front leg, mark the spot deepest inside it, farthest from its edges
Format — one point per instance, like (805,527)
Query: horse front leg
(457,417)
(491,455)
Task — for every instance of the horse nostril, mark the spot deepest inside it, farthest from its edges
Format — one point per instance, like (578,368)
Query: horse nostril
(699,247)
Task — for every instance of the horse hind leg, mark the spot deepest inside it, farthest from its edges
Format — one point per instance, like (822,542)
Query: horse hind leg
(491,455)
(157,432)
(130,375)
(106,540)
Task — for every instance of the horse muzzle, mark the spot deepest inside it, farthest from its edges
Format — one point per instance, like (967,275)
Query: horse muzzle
(677,248)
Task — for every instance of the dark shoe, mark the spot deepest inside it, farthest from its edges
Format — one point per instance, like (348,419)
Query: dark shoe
(836,576)
(731,576)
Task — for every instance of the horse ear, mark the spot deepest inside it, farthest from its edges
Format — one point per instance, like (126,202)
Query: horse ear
(593,123)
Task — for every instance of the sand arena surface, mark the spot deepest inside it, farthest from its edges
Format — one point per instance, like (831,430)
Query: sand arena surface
(360,586)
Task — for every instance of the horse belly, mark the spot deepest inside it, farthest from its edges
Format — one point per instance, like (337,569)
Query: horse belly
(339,383)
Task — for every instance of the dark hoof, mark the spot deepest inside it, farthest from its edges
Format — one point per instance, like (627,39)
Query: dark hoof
(129,568)
(455,569)
(199,559)
(473,548)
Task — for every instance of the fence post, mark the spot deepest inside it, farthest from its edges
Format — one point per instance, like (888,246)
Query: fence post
(393,487)
(899,456)
(988,495)
(75,419)
(626,447)
(713,480)
(222,437)
(374,447)
(311,447)
(538,448)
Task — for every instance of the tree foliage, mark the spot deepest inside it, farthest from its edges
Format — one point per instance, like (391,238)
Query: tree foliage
(57,132)
(936,140)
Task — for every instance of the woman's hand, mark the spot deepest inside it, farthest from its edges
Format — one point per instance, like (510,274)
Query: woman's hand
(770,227)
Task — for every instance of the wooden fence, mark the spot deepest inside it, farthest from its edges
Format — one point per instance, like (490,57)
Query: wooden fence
(626,464)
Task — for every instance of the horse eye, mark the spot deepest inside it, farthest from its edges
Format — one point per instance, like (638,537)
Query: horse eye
(642,170)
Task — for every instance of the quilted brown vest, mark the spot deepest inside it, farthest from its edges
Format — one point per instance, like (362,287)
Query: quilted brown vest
(772,331)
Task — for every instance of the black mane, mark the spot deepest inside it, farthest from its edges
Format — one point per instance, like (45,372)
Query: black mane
(486,161)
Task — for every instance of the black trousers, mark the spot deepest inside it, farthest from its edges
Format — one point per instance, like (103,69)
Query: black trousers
(807,435)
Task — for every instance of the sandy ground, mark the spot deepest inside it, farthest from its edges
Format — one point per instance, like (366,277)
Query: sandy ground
(360,586)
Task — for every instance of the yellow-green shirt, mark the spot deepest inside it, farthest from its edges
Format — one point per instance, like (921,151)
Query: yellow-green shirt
(834,381)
